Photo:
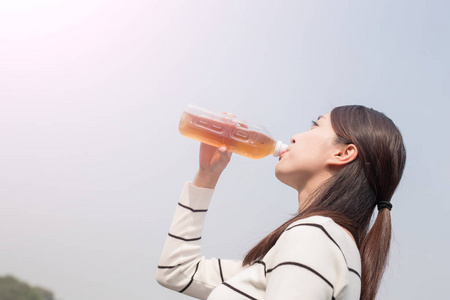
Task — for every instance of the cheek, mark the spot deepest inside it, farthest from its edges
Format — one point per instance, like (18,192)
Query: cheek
(309,156)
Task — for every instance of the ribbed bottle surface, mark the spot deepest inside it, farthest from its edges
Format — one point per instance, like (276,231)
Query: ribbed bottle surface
(237,136)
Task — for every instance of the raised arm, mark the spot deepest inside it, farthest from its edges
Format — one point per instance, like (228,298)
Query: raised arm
(181,266)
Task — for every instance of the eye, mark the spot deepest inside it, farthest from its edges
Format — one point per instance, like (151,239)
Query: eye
(314,123)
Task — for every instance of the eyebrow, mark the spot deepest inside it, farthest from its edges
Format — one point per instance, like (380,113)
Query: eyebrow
(318,118)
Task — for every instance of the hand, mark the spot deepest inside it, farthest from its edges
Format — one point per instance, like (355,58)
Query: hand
(212,162)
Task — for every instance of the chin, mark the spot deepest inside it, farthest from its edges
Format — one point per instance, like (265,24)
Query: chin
(278,171)
(286,178)
(280,175)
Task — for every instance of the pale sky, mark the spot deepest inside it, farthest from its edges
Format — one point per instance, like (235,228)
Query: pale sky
(92,163)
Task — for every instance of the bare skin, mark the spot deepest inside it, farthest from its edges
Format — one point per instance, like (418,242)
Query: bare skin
(212,162)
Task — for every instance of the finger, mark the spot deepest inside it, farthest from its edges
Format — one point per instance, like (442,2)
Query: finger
(224,153)
(229,114)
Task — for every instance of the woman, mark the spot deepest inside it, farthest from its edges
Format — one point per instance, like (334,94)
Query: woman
(348,164)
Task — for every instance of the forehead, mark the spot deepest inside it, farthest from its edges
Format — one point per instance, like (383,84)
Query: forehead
(325,117)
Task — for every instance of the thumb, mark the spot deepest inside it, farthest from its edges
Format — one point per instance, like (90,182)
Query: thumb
(224,153)
(222,149)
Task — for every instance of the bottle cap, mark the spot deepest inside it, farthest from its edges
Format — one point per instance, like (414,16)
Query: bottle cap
(279,148)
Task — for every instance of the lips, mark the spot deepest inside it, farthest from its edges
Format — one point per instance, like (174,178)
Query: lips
(281,154)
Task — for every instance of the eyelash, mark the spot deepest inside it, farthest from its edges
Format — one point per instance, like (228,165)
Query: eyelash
(314,123)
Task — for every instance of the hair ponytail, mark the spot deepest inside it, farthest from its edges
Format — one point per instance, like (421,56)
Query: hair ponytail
(374,254)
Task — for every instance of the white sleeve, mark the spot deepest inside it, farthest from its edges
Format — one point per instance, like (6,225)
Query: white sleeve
(182,267)
(304,264)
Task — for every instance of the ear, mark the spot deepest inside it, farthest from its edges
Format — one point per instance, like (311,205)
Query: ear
(343,154)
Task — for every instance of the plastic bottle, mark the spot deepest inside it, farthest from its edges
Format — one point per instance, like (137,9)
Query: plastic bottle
(219,129)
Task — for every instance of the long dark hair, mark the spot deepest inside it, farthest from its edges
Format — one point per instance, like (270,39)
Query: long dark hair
(350,196)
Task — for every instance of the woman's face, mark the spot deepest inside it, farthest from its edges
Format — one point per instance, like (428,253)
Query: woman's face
(308,155)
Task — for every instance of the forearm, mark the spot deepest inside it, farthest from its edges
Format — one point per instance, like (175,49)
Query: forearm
(182,249)
(182,266)
(205,179)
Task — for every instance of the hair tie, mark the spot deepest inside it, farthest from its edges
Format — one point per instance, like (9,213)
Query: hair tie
(384,204)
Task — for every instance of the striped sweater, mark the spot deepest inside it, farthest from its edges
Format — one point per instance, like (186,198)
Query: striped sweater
(313,259)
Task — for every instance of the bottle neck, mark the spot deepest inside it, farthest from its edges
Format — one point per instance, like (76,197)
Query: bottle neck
(280,147)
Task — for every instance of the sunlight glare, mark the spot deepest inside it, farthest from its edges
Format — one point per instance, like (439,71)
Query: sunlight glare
(24,19)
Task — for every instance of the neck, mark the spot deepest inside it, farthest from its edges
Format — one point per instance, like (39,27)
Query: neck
(305,191)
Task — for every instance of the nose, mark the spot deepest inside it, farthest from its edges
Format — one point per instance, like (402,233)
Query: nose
(292,140)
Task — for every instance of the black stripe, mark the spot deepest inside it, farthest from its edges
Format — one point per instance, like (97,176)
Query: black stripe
(262,263)
(191,209)
(238,291)
(168,267)
(192,279)
(324,231)
(301,266)
(351,270)
(329,236)
(183,239)
(220,269)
